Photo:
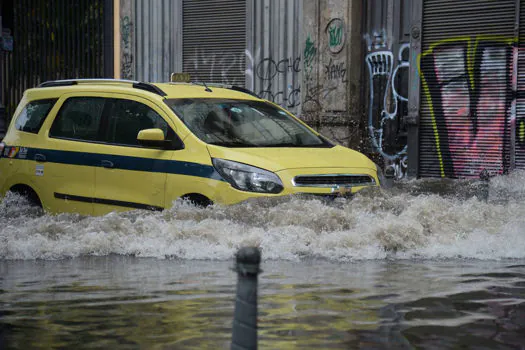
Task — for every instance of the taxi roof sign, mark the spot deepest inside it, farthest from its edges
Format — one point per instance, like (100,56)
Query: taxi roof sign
(180,78)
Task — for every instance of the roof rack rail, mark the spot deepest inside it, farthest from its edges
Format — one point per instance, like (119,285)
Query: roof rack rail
(246,91)
(224,86)
(134,83)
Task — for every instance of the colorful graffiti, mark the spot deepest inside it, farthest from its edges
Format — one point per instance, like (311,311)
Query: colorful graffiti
(470,87)
(388,90)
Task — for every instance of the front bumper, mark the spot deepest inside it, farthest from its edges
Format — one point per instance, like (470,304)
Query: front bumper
(229,195)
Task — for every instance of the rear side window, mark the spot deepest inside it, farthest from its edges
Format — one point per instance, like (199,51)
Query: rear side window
(33,115)
(79,119)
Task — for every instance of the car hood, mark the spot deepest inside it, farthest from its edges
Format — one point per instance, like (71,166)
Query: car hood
(283,158)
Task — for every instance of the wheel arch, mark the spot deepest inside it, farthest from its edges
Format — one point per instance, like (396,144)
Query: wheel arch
(28,192)
(197,199)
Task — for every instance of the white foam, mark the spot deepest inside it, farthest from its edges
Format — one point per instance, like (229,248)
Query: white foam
(374,225)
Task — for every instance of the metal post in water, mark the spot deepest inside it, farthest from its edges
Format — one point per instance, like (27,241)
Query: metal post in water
(244,333)
(484,176)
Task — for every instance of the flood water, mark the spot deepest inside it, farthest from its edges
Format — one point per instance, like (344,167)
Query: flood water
(425,264)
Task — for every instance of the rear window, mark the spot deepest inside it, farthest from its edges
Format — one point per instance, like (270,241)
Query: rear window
(33,115)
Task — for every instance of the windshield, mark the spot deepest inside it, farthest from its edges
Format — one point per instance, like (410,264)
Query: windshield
(241,123)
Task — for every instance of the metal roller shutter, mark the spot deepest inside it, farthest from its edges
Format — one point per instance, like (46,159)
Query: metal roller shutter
(466,87)
(214,40)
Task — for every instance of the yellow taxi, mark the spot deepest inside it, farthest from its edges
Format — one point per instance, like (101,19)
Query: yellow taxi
(95,146)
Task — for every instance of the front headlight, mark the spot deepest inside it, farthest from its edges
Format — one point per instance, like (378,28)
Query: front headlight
(248,178)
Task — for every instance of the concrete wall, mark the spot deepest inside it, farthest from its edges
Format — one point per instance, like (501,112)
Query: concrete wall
(332,58)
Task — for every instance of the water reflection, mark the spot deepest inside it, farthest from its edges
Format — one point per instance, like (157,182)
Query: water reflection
(125,302)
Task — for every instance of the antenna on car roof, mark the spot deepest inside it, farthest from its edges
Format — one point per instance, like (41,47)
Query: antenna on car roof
(206,86)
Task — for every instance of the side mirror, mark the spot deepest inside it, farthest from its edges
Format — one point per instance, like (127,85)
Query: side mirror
(155,138)
(151,138)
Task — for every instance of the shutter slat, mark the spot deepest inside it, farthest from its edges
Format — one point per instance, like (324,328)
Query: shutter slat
(214,40)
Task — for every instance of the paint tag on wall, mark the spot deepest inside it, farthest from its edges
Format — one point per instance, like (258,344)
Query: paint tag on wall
(39,170)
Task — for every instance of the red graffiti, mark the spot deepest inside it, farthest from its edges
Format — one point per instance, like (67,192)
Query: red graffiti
(470,97)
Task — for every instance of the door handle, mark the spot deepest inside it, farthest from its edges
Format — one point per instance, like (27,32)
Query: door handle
(107,164)
(40,157)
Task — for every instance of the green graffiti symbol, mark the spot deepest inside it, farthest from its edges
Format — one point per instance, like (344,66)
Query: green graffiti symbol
(522,131)
(336,35)
(309,52)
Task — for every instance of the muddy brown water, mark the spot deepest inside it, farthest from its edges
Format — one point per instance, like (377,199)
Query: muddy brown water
(424,264)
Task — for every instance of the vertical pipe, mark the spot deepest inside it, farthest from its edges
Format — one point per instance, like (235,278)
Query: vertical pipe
(81,38)
(115,48)
(157,52)
(138,24)
(515,75)
(165,41)
(101,37)
(28,60)
(21,59)
(152,51)
(176,35)
(145,38)
(16,32)
(297,48)
(23,62)
(244,333)
(281,53)
(44,36)
(259,45)
(98,40)
(414,89)
(63,39)
(67,44)
(266,35)
(90,50)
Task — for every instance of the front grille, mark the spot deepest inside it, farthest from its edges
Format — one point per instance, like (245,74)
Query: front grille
(333,180)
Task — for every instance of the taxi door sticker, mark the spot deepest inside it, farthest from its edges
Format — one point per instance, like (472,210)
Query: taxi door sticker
(23,153)
(13,152)
(39,170)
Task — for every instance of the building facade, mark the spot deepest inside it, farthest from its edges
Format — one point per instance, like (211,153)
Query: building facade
(430,88)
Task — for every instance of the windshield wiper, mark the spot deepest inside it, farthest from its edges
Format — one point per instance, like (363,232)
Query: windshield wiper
(232,144)
(291,144)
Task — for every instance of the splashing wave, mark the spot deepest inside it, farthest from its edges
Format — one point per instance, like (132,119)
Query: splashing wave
(404,222)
